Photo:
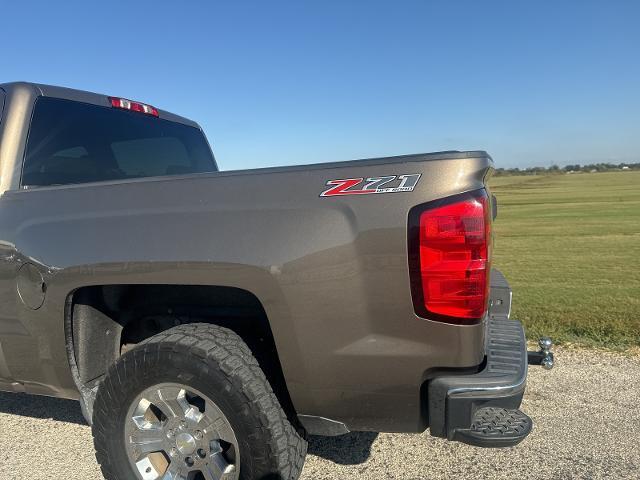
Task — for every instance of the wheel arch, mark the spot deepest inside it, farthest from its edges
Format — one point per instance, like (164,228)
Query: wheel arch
(103,321)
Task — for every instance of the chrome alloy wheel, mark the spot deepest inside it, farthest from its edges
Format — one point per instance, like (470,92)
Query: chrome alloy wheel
(174,432)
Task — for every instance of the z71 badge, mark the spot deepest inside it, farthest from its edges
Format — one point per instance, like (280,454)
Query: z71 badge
(360,186)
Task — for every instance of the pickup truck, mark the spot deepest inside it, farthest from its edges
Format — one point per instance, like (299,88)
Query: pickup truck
(208,321)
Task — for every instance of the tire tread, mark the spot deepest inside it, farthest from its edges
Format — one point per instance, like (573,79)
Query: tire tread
(214,346)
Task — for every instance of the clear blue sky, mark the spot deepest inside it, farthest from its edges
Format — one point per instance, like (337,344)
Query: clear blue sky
(275,83)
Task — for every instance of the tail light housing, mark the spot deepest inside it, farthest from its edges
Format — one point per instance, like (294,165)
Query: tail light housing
(450,258)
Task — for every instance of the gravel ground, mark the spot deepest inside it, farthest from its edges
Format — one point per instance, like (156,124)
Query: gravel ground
(586,414)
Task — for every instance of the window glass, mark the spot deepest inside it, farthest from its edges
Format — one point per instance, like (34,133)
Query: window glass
(72,142)
(147,157)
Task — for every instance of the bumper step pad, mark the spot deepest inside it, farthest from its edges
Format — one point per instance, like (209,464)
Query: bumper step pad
(496,427)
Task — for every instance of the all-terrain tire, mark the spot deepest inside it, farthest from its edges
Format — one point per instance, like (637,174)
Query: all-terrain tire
(215,361)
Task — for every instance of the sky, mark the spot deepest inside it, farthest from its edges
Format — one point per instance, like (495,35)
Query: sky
(281,83)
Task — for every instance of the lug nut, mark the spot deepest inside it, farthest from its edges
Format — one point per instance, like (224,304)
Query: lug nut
(183,424)
(170,433)
(198,435)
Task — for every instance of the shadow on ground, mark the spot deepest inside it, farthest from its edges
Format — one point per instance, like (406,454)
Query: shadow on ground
(349,449)
(41,407)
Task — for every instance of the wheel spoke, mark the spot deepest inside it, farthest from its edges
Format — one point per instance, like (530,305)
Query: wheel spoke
(215,424)
(208,474)
(143,417)
(147,469)
(225,432)
(218,468)
(193,414)
(219,430)
(212,411)
(148,440)
(174,472)
(171,400)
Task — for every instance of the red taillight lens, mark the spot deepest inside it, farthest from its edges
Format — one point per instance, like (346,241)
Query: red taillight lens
(450,248)
(133,106)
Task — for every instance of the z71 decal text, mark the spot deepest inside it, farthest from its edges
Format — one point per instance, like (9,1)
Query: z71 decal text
(362,186)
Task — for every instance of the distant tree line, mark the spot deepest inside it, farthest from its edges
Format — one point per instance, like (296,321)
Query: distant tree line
(555,169)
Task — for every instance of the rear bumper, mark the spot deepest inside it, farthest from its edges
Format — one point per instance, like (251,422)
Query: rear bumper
(454,400)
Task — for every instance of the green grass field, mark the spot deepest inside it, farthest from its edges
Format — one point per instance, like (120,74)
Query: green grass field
(570,247)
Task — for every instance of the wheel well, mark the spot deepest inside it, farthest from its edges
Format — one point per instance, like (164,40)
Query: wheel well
(105,321)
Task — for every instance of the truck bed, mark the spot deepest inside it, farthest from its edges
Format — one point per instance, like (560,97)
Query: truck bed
(360,359)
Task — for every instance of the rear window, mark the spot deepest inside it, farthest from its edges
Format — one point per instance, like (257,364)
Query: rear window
(71,142)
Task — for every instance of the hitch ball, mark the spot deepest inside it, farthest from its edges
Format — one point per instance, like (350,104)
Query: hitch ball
(545,344)
(544,356)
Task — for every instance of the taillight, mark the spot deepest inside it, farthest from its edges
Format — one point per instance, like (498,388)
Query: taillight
(450,254)
(133,106)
